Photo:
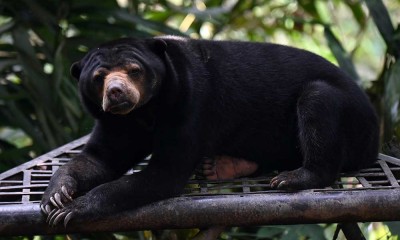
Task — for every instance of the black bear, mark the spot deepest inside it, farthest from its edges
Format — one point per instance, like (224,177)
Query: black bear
(183,100)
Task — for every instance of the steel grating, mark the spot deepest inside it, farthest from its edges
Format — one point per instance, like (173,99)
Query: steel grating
(370,194)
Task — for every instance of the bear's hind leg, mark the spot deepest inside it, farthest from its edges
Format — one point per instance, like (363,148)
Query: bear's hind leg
(320,137)
(226,167)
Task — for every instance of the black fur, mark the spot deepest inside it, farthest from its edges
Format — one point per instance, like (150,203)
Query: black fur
(284,108)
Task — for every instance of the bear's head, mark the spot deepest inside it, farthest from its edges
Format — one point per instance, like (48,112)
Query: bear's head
(120,76)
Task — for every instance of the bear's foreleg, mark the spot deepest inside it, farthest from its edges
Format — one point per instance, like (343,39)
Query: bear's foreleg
(173,162)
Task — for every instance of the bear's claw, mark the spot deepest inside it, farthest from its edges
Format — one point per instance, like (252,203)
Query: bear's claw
(53,202)
(55,207)
(58,215)
(51,214)
(67,218)
(65,192)
(280,181)
(42,207)
(58,218)
(48,209)
(298,179)
(57,198)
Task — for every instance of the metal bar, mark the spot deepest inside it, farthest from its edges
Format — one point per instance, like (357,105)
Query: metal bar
(20,193)
(389,159)
(378,169)
(203,188)
(356,189)
(10,181)
(237,210)
(73,151)
(33,183)
(2,204)
(352,231)
(381,174)
(389,174)
(24,186)
(51,163)
(45,157)
(43,175)
(26,182)
(245,186)
(364,182)
(370,170)
(212,203)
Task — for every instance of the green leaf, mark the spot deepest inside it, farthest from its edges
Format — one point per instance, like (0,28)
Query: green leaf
(42,14)
(391,99)
(150,25)
(14,114)
(313,231)
(12,156)
(7,62)
(358,12)
(12,96)
(6,27)
(394,228)
(34,78)
(291,234)
(58,67)
(381,17)
(344,59)
(269,232)
(310,7)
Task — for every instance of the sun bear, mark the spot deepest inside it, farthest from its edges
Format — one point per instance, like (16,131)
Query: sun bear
(258,105)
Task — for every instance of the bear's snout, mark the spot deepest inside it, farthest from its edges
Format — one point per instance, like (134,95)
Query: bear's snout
(120,96)
(115,92)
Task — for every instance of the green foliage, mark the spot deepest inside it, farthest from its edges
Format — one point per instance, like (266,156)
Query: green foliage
(387,86)
(39,40)
(394,228)
(292,232)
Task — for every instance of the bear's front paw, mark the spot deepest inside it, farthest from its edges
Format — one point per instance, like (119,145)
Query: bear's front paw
(57,195)
(57,215)
(88,206)
(67,212)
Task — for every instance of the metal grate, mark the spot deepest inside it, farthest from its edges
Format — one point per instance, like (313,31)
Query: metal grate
(371,194)
(26,183)
(384,174)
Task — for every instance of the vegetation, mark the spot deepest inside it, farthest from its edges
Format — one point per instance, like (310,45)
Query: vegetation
(39,105)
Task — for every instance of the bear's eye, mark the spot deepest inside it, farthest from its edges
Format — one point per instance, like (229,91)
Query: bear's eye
(98,78)
(98,75)
(134,72)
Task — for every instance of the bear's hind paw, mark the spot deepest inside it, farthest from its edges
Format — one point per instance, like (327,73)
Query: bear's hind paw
(298,179)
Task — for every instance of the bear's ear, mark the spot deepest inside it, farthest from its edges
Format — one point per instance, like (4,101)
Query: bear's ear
(158,45)
(76,70)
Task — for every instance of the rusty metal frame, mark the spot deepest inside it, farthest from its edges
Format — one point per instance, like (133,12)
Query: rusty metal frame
(371,194)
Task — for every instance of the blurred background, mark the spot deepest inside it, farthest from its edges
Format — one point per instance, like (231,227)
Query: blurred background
(39,40)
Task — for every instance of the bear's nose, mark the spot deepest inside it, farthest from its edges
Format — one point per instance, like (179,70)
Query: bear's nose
(115,91)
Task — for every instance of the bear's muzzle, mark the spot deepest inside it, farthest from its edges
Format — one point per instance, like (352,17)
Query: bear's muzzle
(119,96)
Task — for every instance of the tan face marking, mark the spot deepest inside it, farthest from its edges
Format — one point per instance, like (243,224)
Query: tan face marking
(100,72)
(122,90)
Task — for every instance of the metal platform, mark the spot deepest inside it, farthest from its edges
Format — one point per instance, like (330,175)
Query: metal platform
(372,194)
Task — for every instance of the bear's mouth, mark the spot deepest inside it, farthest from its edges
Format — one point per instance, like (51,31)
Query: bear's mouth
(120,108)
